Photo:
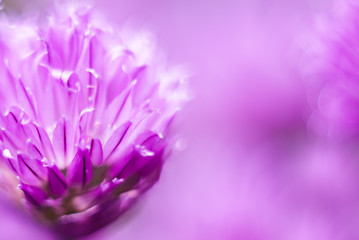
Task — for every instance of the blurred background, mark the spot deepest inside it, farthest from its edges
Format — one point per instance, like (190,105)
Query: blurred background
(246,166)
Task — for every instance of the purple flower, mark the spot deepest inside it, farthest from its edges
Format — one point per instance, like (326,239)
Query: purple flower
(85,117)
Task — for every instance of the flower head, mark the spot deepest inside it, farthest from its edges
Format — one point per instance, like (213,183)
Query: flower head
(84,120)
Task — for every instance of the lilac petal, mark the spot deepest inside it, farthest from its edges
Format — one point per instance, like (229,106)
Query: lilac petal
(53,60)
(117,77)
(80,170)
(117,108)
(115,140)
(40,139)
(59,90)
(20,133)
(73,83)
(96,153)
(33,151)
(85,120)
(31,170)
(57,182)
(33,195)
(11,93)
(22,116)
(148,154)
(11,142)
(17,114)
(155,143)
(99,103)
(47,98)
(117,81)
(135,164)
(11,121)
(120,164)
(63,142)
(27,99)
(138,71)
(143,90)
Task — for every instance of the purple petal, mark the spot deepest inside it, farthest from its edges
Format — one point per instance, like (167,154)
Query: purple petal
(20,133)
(19,114)
(31,170)
(116,110)
(135,164)
(148,155)
(11,161)
(80,170)
(85,120)
(96,153)
(27,99)
(120,164)
(115,140)
(40,139)
(57,182)
(73,83)
(33,195)
(152,141)
(63,142)
(11,142)
(33,151)
(11,121)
